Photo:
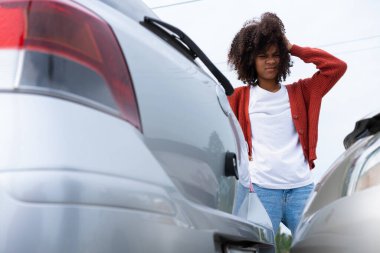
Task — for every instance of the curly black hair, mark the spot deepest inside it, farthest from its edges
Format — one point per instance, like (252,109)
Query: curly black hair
(253,39)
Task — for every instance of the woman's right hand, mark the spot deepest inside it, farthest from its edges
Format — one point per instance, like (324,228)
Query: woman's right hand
(288,44)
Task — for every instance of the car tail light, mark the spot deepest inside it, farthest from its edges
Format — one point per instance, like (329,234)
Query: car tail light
(66,30)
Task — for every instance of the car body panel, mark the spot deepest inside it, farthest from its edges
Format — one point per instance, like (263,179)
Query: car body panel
(99,173)
(339,218)
(182,135)
(348,225)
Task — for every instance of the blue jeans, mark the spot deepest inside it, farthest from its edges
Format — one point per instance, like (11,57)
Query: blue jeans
(284,206)
(240,193)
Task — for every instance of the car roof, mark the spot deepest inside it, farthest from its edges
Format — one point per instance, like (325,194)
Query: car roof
(135,9)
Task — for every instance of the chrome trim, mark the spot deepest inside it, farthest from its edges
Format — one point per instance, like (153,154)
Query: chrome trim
(20,65)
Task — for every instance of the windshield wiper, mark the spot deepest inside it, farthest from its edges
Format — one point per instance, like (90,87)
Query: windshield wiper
(182,42)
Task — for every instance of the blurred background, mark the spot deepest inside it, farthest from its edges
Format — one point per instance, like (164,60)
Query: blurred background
(349,29)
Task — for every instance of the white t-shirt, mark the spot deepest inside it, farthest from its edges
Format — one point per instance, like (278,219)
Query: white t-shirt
(278,159)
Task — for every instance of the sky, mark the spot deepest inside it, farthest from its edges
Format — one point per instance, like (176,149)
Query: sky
(349,29)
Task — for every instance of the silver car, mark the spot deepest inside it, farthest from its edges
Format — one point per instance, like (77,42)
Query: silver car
(343,214)
(113,135)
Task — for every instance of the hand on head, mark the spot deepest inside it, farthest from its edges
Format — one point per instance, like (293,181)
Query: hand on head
(288,44)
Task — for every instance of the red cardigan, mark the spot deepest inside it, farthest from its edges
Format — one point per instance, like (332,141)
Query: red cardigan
(305,98)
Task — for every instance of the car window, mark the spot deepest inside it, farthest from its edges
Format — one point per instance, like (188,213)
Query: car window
(179,40)
(370,173)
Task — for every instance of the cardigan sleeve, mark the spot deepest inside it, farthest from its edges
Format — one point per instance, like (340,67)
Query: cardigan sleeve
(239,101)
(330,69)
(233,100)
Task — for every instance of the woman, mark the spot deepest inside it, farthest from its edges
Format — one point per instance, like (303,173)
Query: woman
(279,122)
